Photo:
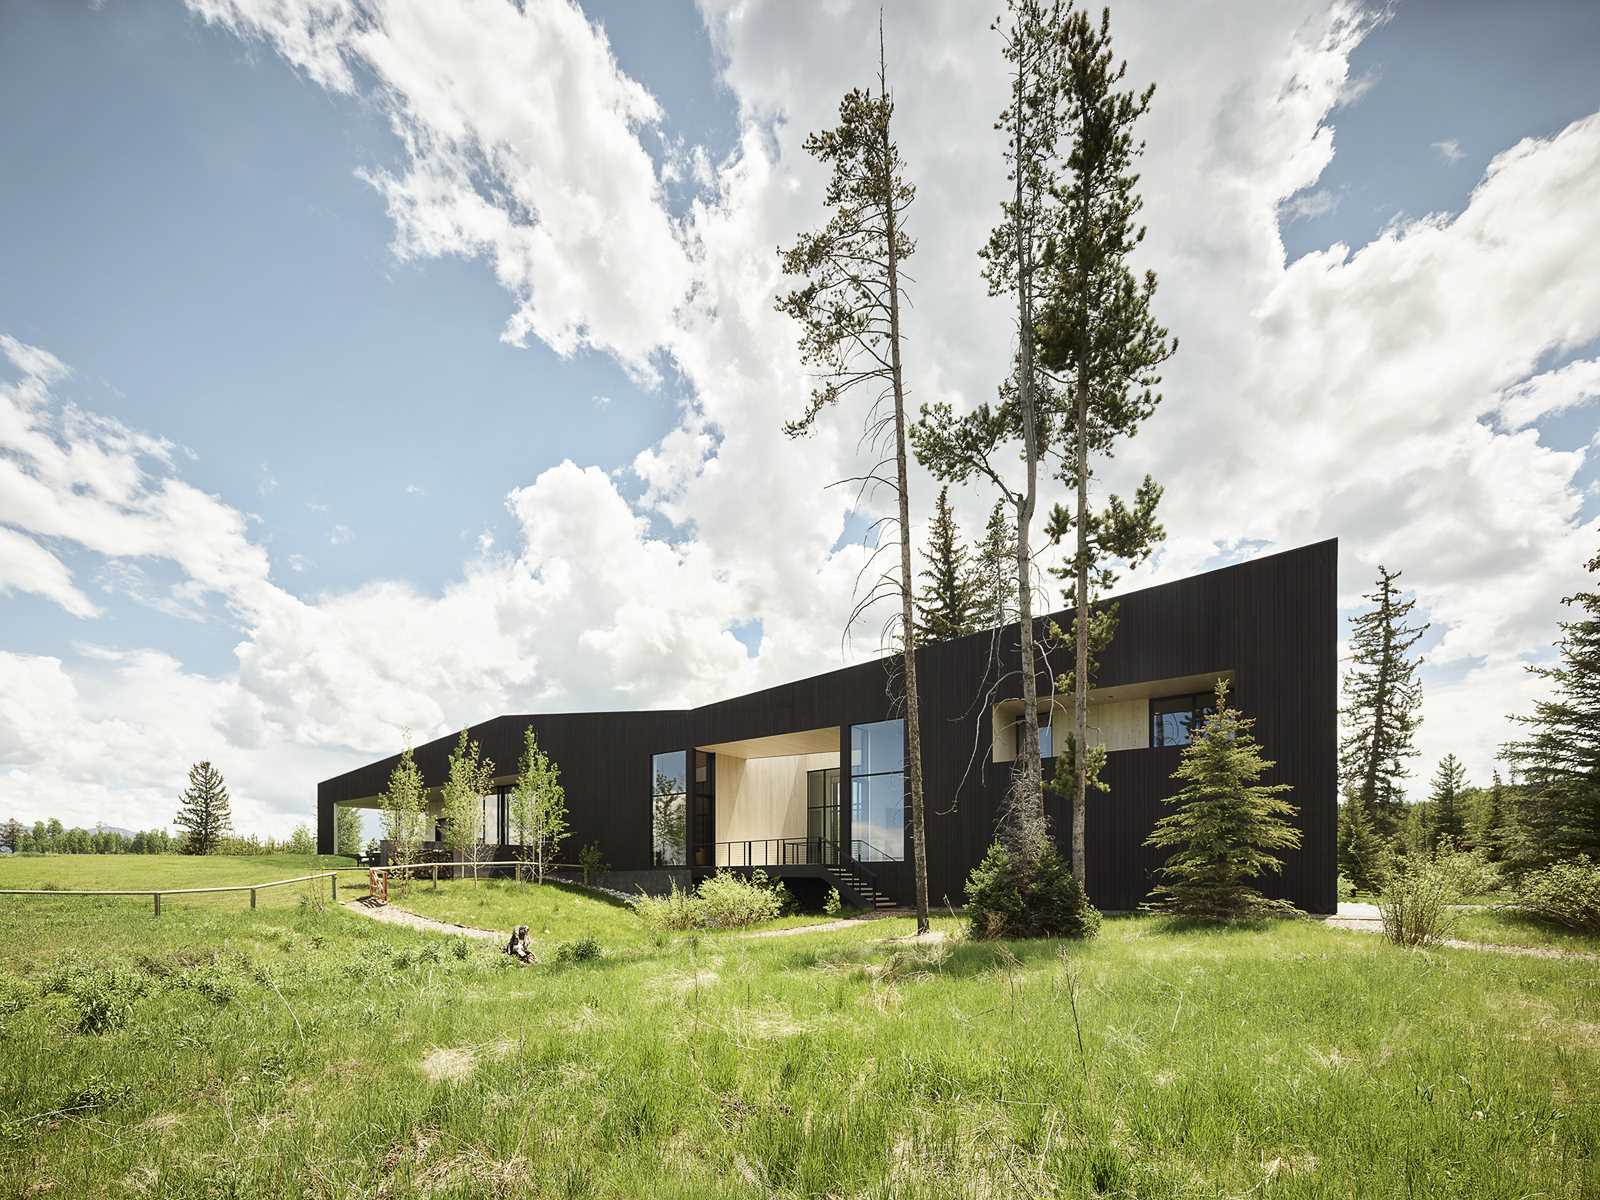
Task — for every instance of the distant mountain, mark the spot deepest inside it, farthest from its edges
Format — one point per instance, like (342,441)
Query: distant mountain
(102,827)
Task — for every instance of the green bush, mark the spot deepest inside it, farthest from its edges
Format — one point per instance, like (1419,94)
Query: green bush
(1415,904)
(1346,889)
(832,905)
(1566,893)
(585,949)
(1469,872)
(724,901)
(104,994)
(1006,899)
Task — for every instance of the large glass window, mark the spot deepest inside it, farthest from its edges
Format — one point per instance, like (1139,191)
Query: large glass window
(822,814)
(669,807)
(1173,719)
(489,831)
(878,791)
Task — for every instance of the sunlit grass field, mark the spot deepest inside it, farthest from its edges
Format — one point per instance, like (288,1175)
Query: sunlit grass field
(1509,928)
(306,1051)
(90,872)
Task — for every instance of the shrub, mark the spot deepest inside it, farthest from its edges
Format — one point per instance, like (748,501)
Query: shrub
(1006,899)
(832,905)
(1415,904)
(104,994)
(1346,889)
(585,949)
(724,901)
(1565,893)
(1468,872)
(591,861)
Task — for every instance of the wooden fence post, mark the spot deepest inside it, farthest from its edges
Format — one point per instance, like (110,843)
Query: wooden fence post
(252,897)
(333,880)
(158,903)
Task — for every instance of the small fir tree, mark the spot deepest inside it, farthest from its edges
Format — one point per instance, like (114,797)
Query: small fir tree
(537,808)
(994,570)
(947,602)
(469,777)
(1363,858)
(203,814)
(1227,826)
(1559,759)
(405,816)
(346,830)
(1445,824)
(1491,834)
(1382,704)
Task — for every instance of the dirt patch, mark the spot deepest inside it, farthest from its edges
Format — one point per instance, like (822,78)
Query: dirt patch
(390,915)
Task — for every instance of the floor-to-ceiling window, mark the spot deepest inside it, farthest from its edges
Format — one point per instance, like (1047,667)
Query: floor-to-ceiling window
(878,791)
(492,830)
(822,815)
(704,825)
(669,807)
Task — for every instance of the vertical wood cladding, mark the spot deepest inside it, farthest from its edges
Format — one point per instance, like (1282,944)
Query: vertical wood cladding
(1272,621)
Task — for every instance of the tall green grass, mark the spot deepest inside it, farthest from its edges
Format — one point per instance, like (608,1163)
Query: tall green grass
(294,1052)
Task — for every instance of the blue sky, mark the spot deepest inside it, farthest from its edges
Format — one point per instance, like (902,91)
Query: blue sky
(190,223)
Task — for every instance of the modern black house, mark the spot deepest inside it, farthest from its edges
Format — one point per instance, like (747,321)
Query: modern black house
(806,780)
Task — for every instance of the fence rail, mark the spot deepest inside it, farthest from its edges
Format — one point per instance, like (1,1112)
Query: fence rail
(156,893)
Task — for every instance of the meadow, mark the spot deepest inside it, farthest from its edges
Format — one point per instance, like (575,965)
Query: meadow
(304,1050)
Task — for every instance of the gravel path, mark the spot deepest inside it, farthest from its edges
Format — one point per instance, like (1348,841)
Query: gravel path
(1365,918)
(390,915)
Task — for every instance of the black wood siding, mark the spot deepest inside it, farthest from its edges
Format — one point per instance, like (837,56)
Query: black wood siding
(1272,621)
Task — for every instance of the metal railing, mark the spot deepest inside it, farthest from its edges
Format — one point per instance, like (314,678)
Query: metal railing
(795,852)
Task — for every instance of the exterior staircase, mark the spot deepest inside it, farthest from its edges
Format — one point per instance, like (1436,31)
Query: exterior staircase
(856,886)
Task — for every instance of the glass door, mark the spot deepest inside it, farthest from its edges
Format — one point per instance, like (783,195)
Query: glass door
(822,815)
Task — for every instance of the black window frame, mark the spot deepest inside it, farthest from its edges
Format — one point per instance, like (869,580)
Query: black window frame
(1199,706)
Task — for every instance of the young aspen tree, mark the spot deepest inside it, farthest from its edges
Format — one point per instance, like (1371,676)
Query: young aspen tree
(849,311)
(537,811)
(469,778)
(404,816)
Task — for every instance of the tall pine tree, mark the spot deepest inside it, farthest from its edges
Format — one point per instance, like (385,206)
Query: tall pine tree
(1492,823)
(1099,342)
(1382,699)
(203,814)
(947,603)
(1446,822)
(1228,826)
(1559,759)
(849,312)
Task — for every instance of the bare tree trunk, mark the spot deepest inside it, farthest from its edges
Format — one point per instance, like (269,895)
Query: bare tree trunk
(1080,621)
(908,645)
(1027,800)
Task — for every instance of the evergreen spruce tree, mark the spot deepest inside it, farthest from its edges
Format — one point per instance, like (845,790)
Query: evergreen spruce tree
(1227,826)
(1363,857)
(203,813)
(1491,833)
(1446,825)
(849,312)
(993,582)
(1559,759)
(1382,701)
(947,604)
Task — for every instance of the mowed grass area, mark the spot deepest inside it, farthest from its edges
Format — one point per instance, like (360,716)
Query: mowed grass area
(550,910)
(133,872)
(312,1052)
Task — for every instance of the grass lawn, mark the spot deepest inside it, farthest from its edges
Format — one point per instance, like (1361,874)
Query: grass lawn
(88,872)
(1509,928)
(551,911)
(311,1052)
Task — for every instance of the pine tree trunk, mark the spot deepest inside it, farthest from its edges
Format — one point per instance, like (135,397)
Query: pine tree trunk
(908,643)
(1027,800)
(1080,670)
